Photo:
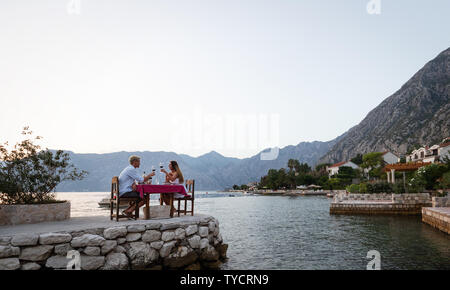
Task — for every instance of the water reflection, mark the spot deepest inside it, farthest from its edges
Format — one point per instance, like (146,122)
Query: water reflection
(274,232)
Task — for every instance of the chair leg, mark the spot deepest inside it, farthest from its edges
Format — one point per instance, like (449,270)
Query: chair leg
(111,207)
(192,207)
(117,210)
(136,210)
(171,206)
(178,207)
(185,207)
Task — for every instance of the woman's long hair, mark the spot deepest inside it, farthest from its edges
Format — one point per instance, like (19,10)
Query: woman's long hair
(177,169)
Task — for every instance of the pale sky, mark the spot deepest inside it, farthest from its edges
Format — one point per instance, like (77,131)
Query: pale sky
(136,75)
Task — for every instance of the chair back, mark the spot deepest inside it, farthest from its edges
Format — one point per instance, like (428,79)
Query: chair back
(190,187)
(115,187)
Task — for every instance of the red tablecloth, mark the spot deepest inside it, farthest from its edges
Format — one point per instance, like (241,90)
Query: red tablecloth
(163,188)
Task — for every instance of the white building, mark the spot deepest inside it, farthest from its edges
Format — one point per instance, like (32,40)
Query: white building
(444,150)
(334,169)
(433,154)
(390,158)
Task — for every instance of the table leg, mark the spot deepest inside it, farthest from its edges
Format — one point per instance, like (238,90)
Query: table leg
(147,207)
(171,205)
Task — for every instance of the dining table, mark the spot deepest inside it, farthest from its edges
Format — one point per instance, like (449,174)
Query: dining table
(145,190)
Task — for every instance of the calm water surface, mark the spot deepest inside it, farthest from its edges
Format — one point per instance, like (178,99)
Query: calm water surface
(275,232)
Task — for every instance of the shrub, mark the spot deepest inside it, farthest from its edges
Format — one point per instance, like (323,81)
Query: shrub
(445,180)
(379,187)
(353,188)
(363,188)
(29,175)
(399,188)
(426,177)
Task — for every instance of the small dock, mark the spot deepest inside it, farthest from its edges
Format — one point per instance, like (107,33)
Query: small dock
(382,203)
(437,217)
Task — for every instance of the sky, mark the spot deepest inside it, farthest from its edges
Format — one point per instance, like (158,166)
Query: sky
(232,76)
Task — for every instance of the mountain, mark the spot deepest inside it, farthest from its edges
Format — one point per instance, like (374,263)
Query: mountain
(417,114)
(212,171)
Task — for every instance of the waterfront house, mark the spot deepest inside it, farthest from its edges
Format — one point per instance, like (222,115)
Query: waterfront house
(390,158)
(432,154)
(334,169)
(444,150)
(252,186)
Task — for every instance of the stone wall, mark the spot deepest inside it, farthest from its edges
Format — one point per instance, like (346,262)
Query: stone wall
(343,196)
(182,244)
(405,198)
(437,217)
(382,203)
(440,201)
(372,208)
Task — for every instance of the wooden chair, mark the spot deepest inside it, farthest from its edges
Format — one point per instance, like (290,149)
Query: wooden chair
(190,186)
(116,200)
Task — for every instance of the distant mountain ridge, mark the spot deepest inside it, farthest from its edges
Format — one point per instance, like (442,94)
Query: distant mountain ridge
(212,171)
(417,114)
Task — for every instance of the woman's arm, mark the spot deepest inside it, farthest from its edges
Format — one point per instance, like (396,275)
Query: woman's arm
(172,176)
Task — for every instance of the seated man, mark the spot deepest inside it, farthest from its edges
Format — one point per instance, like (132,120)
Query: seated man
(127,186)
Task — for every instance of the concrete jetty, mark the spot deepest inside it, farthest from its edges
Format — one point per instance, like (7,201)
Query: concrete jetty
(438,216)
(381,203)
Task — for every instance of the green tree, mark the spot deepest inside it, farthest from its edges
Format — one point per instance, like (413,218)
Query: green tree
(346,173)
(291,164)
(358,159)
(322,167)
(334,183)
(427,176)
(29,175)
(302,168)
(373,162)
(445,181)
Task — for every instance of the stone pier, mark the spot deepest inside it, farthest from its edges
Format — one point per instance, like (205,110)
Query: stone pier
(438,216)
(381,203)
(187,242)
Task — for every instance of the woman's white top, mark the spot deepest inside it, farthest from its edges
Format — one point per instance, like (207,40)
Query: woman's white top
(177,181)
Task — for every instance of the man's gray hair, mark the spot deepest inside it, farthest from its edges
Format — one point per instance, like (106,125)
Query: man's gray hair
(133,158)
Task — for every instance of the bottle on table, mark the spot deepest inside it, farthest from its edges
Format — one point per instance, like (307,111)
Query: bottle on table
(161,166)
(155,176)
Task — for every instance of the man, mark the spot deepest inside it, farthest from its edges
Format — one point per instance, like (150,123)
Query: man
(127,186)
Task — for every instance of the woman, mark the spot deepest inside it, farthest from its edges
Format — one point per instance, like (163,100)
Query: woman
(173,177)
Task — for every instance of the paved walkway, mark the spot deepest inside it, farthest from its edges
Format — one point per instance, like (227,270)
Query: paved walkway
(365,202)
(441,210)
(90,222)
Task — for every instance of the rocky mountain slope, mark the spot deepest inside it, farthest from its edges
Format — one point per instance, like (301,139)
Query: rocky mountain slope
(417,114)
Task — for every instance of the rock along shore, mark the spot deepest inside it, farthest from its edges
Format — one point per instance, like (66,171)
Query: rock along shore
(187,242)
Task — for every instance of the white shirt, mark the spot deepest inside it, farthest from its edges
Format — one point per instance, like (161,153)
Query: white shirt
(177,182)
(127,178)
